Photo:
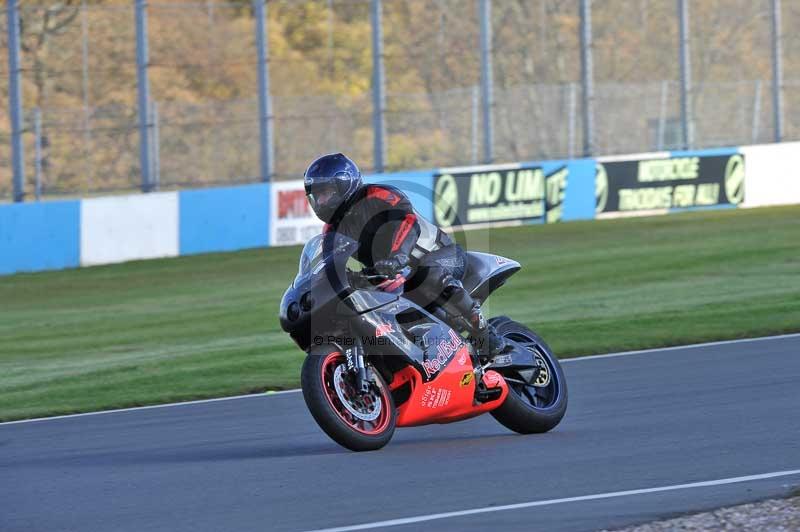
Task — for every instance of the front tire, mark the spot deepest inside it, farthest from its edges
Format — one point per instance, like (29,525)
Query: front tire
(357,422)
(530,409)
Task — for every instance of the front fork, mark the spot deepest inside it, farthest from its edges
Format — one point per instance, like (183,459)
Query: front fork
(357,366)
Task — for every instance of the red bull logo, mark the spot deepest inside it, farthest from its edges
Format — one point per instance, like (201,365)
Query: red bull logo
(445,350)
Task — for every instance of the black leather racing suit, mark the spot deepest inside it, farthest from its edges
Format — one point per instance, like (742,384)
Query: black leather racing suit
(383,221)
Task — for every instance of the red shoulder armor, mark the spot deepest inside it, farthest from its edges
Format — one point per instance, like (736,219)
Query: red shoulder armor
(383,194)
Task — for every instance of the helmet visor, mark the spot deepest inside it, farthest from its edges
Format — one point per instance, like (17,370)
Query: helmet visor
(323,199)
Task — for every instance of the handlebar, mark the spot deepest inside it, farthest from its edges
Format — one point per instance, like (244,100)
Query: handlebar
(372,276)
(368,274)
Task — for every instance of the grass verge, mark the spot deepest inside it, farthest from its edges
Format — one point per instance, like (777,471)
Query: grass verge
(203,326)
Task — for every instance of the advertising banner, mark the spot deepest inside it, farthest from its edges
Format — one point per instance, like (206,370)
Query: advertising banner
(507,193)
(292,220)
(674,182)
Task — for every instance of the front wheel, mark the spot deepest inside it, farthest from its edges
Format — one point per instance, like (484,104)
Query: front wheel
(534,407)
(359,422)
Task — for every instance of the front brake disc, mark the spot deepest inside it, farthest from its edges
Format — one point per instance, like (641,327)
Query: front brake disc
(360,411)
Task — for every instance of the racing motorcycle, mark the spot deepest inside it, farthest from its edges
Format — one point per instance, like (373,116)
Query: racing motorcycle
(376,360)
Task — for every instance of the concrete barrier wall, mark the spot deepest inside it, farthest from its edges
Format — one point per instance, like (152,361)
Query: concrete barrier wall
(39,236)
(223,219)
(123,228)
(66,234)
(773,174)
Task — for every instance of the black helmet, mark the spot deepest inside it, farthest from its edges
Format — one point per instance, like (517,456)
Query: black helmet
(330,182)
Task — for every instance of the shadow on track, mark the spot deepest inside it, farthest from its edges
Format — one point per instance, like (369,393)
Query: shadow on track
(253,449)
(207,452)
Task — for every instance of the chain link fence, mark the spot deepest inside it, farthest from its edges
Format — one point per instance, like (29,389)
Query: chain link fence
(5,128)
(791,67)
(79,85)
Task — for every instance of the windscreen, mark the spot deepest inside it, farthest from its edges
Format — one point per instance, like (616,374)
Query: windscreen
(317,251)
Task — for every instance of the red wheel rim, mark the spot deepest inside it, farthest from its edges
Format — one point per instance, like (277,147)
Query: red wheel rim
(364,426)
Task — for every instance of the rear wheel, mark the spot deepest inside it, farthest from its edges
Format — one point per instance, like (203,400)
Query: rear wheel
(537,406)
(360,422)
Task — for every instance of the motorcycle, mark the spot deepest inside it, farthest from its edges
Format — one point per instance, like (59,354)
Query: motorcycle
(376,360)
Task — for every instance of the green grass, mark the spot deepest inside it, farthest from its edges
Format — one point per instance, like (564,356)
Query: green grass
(193,327)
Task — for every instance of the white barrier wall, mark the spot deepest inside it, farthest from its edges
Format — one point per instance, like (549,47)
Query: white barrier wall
(117,229)
(772,174)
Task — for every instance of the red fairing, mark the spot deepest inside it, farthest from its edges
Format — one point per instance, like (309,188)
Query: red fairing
(380,193)
(448,397)
(402,231)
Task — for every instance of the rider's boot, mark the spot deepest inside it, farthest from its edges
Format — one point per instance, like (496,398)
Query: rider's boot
(490,344)
(456,301)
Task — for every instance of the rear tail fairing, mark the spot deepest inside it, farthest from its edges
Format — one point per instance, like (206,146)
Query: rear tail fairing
(486,273)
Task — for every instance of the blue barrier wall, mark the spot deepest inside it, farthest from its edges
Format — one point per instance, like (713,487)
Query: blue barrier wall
(579,194)
(39,236)
(224,219)
(706,153)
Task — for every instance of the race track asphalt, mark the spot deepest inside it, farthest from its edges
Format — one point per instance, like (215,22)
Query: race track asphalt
(644,420)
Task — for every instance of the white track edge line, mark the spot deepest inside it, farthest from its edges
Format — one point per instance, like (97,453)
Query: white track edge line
(152,407)
(295,390)
(549,502)
(679,347)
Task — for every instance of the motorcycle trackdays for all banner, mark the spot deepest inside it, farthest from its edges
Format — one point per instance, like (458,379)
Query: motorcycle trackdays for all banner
(676,182)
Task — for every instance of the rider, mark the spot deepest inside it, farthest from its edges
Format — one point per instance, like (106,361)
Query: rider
(392,236)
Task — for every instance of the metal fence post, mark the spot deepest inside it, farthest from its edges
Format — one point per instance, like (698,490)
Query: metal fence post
(155,160)
(87,131)
(662,116)
(37,152)
(756,112)
(476,98)
(143,91)
(777,70)
(687,123)
(378,87)
(15,100)
(266,142)
(587,77)
(571,114)
(487,80)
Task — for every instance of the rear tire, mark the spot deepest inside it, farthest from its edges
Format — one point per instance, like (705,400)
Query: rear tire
(324,388)
(527,409)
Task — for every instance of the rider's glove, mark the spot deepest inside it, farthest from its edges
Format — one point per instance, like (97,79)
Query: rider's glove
(389,267)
